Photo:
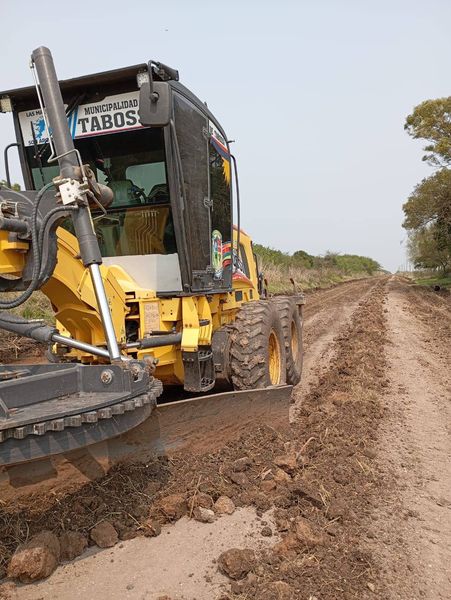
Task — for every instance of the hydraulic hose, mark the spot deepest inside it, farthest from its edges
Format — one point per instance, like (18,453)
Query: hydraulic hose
(36,330)
(36,253)
(44,226)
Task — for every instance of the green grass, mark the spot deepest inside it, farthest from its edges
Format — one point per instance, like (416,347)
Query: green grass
(428,281)
(36,307)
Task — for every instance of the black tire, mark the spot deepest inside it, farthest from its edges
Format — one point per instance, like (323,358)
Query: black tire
(257,340)
(292,331)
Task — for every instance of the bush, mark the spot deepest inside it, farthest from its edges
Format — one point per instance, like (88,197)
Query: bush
(311,271)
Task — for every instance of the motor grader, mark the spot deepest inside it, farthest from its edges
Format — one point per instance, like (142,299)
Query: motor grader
(126,226)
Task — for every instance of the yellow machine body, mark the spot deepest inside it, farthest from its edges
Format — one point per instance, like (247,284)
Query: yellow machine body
(71,294)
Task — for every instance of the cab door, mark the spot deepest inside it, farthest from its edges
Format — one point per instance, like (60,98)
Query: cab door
(205,166)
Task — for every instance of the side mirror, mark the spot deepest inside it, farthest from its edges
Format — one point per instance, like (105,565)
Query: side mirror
(154,104)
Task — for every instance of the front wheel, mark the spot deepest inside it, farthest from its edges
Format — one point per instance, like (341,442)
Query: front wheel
(292,331)
(257,350)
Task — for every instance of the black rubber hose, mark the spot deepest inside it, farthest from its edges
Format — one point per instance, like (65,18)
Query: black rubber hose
(36,253)
(37,330)
(45,222)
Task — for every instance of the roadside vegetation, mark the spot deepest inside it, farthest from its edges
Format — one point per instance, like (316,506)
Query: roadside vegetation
(308,271)
(428,208)
(422,278)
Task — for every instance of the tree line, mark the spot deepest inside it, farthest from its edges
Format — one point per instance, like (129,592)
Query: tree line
(346,263)
(428,208)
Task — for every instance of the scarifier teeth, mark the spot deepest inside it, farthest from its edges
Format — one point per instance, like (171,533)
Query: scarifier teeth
(91,417)
(39,428)
(20,433)
(105,413)
(73,421)
(56,425)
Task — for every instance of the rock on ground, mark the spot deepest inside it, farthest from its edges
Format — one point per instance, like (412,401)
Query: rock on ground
(72,544)
(224,506)
(237,563)
(204,515)
(173,506)
(104,535)
(36,559)
(239,478)
(308,534)
(302,534)
(268,485)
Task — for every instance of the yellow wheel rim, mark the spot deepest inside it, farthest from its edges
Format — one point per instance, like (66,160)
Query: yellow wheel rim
(275,361)
(294,342)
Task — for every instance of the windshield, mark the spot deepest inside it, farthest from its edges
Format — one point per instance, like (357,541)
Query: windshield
(133,165)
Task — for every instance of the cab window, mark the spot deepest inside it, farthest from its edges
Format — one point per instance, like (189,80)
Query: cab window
(132,164)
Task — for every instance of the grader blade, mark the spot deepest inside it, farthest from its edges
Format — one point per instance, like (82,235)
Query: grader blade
(204,423)
(201,424)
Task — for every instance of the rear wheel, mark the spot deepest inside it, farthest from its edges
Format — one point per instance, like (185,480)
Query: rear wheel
(292,331)
(257,350)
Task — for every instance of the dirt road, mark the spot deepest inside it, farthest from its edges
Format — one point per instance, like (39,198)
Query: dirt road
(353,502)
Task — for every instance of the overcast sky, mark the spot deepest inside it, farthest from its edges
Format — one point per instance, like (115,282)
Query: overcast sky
(315,94)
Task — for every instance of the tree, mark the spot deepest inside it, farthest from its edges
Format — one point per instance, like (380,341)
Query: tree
(424,251)
(428,209)
(304,259)
(352,263)
(431,120)
(428,213)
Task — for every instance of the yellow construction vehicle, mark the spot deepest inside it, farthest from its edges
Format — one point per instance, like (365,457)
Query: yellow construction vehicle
(130,236)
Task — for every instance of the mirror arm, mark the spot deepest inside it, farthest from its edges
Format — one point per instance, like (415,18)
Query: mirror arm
(153,96)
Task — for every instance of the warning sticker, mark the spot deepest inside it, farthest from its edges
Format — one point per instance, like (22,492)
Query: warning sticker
(110,115)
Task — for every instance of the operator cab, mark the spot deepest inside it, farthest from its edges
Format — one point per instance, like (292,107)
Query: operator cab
(170,223)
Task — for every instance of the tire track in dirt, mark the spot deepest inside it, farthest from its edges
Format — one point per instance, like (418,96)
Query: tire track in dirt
(411,526)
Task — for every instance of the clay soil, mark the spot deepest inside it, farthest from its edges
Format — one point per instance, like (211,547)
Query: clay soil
(356,493)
